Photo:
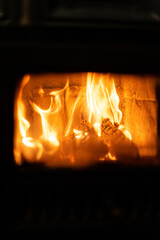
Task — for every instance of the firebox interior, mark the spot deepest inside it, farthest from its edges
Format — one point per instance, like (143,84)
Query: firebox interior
(79,119)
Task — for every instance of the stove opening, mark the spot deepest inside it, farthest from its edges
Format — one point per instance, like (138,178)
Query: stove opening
(81,119)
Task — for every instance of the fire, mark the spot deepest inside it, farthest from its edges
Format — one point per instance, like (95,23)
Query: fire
(22,124)
(102,100)
(59,134)
(48,134)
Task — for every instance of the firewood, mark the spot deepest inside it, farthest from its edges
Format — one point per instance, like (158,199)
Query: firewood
(90,148)
(119,145)
(111,133)
(85,126)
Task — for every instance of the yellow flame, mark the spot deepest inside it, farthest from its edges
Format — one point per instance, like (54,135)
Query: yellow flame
(48,134)
(97,128)
(126,133)
(71,117)
(80,134)
(22,125)
(102,100)
(110,156)
(26,144)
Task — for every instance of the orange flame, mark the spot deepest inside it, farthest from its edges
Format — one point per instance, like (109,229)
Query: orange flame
(71,117)
(27,145)
(22,125)
(48,134)
(102,102)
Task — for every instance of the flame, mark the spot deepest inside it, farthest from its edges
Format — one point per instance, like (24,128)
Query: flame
(27,145)
(22,125)
(48,134)
(102,100)
(126,133)
(71,117)
(56,121)
(41,91)
(110,157)
(80,134)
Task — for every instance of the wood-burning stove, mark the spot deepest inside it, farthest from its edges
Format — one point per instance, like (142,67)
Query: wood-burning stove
(105,196)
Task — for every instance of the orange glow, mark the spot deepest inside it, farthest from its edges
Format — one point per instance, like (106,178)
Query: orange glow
(63,125)
(109,156)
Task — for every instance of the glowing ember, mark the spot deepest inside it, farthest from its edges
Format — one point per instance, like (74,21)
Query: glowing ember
(58,128)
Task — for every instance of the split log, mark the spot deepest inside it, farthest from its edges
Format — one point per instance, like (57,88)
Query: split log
(89,149)
(119,145)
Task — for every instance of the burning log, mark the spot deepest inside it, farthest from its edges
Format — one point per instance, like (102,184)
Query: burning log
(85,126)
(119,145)
(88,148)
(45,123)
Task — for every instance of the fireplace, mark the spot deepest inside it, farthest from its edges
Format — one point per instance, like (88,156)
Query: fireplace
(110,191)
(79,119)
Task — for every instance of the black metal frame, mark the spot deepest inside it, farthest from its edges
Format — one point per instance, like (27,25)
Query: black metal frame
(60,12)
